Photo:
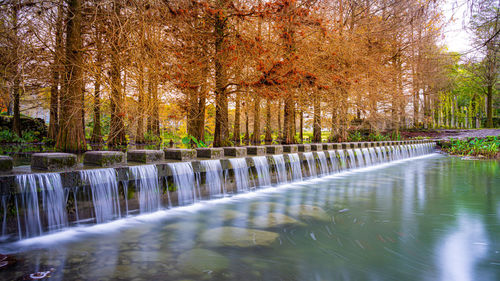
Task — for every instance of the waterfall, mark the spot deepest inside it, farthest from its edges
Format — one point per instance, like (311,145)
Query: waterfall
(4,218)
(279,162)
(359,157)
(334,161)
(146,181)
(262,169)
(104,189)
(52,210)
(295,167)
(213,177)
(323,165)
(383,155)
(367,156)
(184,183)
(352,159)
(311,164)
(342,160)
(377,154)
(241,176)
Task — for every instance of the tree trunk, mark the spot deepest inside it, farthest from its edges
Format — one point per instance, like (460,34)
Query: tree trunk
(139,136)
(117,128)
(56,73)
(256,120)
(70,137)
(221,115)
(489,106)
(16,88)
(246,139)
(237,121)
(280,132)
(317,119)
(301,126)
(288,122)
(268,138)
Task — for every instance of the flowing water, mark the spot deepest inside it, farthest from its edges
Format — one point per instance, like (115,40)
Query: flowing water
(281,174)
(352,159)
(214,179)
(323,164)
(359,157)
(262,169)
(43,200)
(367,156)
(427,218)
(311,164)
(241,173)
(184,183)
(295,167)
(146,181)
(104,193)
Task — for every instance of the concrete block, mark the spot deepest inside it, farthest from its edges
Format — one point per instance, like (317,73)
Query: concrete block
(304,147)
(316,146)
(327,146)
(53,161)
(256,150)
(145,156)
(290,148)
(274,149)
(210,153)
(103,158)
(180,154)
(235,151)
(6,163)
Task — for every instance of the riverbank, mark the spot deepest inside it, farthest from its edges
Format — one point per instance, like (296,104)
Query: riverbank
(477,147)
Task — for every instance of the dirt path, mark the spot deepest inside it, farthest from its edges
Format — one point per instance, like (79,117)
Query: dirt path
(456,134)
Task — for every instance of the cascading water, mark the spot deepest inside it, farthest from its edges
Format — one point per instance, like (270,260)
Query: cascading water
(184,183)
(359,157)
(373,155)
(51,212)
(213,177)
(146,181)
(334,161)
(323,165)
(104,190)
(383,154)
(295,167)
(311,164)
(342,164)
(352,159)
(279,162)
(241,174)
(367,156)
(262,169)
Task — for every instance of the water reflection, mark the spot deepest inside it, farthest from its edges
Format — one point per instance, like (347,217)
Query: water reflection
(462,249)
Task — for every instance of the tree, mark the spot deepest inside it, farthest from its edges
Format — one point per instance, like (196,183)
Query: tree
(70,137)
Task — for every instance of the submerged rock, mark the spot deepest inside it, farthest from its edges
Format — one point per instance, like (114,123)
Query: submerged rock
(309,212)
(266,207)
(201,261)
(238,237)
(274,220)
(226,215)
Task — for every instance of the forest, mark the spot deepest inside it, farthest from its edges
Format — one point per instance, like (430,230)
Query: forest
(227,72)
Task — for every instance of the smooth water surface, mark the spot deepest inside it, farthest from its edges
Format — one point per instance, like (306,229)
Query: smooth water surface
(431,218)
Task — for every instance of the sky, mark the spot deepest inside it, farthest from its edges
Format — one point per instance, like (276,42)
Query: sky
(456,37)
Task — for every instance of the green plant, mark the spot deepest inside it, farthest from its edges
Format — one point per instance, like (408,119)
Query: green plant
(488,147)
(187,140)
(355,136)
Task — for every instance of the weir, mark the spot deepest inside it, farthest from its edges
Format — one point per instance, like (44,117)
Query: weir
(35,204)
